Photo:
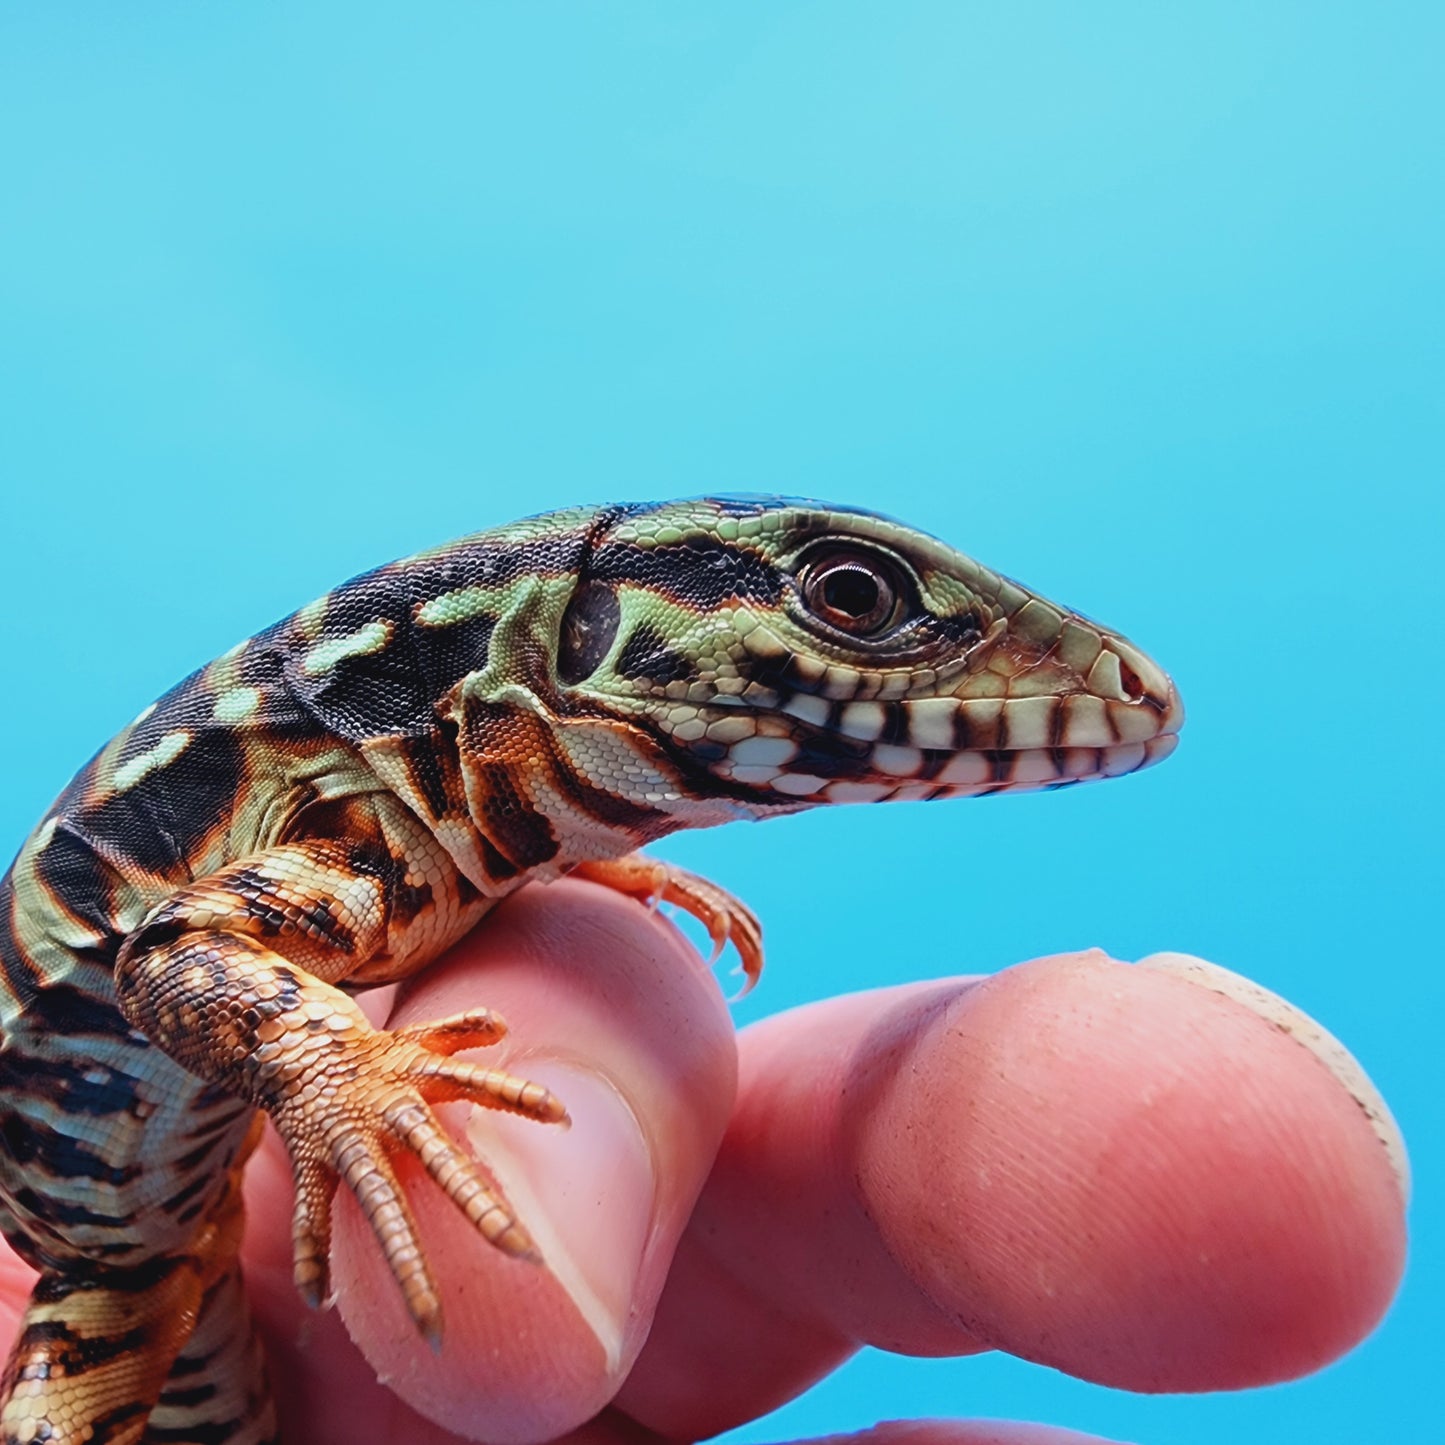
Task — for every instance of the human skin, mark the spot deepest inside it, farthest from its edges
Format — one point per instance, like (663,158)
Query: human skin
(1150,1176)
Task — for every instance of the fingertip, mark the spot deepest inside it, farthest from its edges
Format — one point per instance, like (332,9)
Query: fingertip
(1280,1013)
(1133,1179)
(1103,1168)
(962,1432)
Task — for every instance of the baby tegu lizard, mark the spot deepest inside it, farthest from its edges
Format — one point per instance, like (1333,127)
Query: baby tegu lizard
(332,803)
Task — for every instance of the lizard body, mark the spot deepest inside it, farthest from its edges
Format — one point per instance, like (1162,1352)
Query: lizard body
(337,800)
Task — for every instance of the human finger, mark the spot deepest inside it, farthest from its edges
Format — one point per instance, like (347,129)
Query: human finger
(959,1432)
(1112,1170)
(611,1009)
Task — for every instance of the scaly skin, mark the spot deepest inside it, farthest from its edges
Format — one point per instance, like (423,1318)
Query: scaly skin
(335,801)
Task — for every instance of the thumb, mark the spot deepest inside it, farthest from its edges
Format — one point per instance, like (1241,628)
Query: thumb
(610,1008)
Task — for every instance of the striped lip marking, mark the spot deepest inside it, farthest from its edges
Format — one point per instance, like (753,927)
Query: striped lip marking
(965,776)
(956,747)
(930,722)
(767,751)
(897,762)
(971,775)
(866,720)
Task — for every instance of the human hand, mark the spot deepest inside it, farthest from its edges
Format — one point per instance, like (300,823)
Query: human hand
(1121,1172)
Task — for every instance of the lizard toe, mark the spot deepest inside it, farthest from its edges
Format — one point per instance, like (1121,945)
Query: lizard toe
(366,1100)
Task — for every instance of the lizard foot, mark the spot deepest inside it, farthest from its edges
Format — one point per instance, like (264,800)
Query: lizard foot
(346,1097)
(726,918)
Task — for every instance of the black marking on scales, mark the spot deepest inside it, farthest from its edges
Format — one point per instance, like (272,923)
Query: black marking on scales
(698,572)
(371,668)
(163,819)
(60,1155)
(648,654)
(76,876)
(99,1092)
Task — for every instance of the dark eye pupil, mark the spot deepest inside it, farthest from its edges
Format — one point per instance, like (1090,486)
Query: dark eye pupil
(850,591)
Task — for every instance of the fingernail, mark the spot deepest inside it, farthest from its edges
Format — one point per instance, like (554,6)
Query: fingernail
(585,1194)
(1303,1029)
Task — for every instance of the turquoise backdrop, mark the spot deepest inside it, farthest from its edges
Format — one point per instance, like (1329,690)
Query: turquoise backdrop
(1141,303)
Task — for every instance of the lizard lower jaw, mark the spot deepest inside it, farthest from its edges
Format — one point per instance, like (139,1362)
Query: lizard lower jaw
(902,774)
(1051,767)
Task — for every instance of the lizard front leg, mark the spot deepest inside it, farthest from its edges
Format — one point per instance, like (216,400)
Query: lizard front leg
(230,978)
(651,881)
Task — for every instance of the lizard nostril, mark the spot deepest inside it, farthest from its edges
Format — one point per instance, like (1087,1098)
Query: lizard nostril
(1131,682)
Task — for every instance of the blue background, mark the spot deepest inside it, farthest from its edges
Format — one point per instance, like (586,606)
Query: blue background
(1139,303)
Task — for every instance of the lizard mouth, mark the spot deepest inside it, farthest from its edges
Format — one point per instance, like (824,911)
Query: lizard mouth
(978,774)
(1040,722)
(897,774)
(815,750)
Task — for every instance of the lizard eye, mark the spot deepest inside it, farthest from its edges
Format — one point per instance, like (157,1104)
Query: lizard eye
(852,591)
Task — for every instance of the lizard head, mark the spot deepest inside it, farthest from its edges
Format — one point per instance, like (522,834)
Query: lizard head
(801,653)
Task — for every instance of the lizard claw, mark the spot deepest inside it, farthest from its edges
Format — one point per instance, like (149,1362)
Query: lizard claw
(726,918)
(474,1029)
(358,1097)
